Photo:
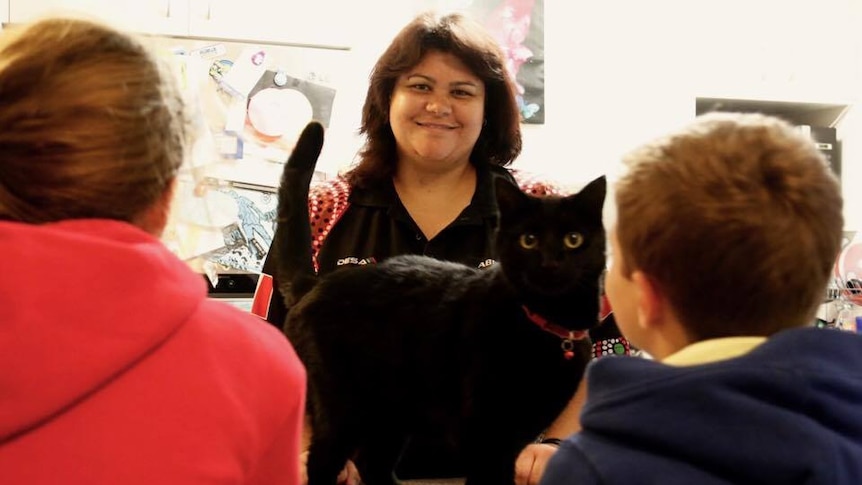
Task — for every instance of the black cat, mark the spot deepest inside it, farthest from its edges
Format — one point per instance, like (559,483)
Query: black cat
(486,358)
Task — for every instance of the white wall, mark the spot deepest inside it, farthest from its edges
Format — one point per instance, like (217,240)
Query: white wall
(619,72)
(612,81)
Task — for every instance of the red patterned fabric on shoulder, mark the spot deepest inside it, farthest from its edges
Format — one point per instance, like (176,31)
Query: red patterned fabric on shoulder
(533,185)
(327,201)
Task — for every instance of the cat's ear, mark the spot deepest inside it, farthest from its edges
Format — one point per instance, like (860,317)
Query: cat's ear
(509,196)
(595,191)
(307,149)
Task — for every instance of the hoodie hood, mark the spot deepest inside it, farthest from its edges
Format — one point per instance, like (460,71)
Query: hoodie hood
(81,302)
(787,412)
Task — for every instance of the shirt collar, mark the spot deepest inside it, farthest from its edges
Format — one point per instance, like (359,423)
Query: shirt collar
(713,350)
(379,194)
(483,204)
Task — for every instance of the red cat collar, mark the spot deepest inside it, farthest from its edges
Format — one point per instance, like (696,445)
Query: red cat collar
(568,336)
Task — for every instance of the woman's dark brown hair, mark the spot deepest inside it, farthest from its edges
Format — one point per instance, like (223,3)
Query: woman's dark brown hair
(500,140)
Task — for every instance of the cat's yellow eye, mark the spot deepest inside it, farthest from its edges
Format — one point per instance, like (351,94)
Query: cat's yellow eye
(529,241)
(573,240)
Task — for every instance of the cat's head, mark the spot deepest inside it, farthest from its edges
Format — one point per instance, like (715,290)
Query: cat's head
(552,249)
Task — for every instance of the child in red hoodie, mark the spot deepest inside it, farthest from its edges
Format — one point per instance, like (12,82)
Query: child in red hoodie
(117,369)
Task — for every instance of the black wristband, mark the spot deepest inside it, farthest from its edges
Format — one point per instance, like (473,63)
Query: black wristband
(551,441)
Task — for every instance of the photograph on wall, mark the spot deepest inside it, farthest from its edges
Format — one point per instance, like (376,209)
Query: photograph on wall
(518,26)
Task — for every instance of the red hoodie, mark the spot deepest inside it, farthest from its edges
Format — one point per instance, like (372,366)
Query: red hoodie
(117,369)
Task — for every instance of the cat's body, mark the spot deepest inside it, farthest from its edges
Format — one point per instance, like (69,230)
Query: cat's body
(416,345)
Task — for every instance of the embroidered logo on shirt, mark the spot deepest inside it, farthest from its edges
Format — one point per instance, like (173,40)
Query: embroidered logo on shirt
(355,261)
(487,263)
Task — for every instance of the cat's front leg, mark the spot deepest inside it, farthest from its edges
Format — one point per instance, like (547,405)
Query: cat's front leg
(326,458)
(495,476)
(491,465)
(379,456)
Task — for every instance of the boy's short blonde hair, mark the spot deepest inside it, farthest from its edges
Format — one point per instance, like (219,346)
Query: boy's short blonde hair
(737,219)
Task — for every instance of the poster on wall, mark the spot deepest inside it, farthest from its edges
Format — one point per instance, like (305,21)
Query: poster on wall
(518,26)
(252,101)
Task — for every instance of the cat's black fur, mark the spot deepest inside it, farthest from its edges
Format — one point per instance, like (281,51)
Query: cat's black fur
(413,343)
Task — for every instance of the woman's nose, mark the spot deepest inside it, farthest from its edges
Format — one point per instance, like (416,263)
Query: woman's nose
(438,107)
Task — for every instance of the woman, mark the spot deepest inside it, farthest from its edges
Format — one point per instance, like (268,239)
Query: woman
(440,120)
(116,367)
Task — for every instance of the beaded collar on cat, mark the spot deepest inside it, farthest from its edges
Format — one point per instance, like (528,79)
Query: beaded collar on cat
(568,336)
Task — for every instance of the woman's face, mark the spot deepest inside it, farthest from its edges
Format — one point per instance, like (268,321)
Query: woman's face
(436,113)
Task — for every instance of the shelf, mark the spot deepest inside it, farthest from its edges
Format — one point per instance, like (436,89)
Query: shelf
(817,120)
(811,114)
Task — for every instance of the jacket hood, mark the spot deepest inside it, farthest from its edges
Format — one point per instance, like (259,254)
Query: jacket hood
(787,412)
(82,302)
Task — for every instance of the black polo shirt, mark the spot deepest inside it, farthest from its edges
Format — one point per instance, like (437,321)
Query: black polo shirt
(376,225)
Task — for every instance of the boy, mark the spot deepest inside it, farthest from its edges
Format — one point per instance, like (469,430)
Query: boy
(725,238)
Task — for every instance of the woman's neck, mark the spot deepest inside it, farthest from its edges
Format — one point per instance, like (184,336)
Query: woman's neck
(435,199)
(410,180)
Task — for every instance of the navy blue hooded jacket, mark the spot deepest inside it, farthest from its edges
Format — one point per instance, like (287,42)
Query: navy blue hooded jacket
(788,412)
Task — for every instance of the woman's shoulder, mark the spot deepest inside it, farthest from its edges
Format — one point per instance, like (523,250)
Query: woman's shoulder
(329,190)
(327,201)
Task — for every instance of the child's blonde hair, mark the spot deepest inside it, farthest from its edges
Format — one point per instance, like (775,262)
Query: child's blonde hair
(737,219)
(93,124)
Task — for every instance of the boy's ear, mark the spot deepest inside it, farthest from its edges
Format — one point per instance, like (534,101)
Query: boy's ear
(650,301)
(657,319)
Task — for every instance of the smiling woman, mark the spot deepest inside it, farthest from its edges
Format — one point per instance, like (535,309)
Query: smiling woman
(435,55)
(441,121)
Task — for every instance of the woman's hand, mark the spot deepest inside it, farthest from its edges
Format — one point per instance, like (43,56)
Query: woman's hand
(348,476)
(530,465)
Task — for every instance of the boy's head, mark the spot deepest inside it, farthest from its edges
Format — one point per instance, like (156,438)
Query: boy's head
(731,224)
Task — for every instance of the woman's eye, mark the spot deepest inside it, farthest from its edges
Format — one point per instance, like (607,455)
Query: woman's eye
(421,87)
(573,240)
(529,241)
(460,93)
